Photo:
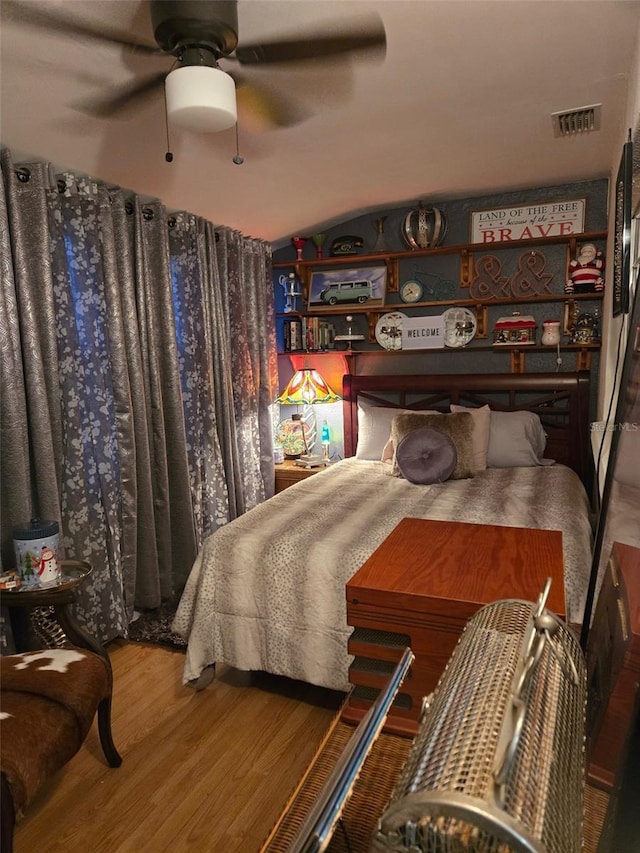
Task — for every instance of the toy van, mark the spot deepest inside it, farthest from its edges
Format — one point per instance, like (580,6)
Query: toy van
(346,291)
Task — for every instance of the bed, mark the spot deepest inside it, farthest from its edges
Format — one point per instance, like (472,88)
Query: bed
(267,591)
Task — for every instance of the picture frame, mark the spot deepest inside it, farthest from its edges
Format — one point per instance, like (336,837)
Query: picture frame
(622,233)
(337,289)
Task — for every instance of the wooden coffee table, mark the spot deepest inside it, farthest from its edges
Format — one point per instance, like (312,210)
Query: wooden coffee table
(420,587)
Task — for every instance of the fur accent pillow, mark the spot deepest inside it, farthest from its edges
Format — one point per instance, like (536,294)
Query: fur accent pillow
(481,428)
(425,456)
(459,428)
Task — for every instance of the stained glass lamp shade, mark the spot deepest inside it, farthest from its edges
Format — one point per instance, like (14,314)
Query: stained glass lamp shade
(305,389)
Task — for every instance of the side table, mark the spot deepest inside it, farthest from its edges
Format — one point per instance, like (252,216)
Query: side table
(59,598)
(288,473)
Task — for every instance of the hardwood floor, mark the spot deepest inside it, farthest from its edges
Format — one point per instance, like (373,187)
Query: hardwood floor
(204,771)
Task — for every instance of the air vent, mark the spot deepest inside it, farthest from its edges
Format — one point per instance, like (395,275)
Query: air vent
(580,120)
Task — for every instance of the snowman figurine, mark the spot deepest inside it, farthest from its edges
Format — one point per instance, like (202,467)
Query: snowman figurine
(48,568)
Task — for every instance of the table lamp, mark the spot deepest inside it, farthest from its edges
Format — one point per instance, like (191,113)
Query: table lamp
(306,388)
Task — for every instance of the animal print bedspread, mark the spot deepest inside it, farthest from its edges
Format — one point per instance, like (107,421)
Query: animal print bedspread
(267,591)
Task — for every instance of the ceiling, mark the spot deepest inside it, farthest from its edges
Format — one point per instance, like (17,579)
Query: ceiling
(460,106)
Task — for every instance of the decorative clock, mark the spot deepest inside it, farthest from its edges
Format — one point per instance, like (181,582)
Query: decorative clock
(389,330)
(411,291)
(460,326)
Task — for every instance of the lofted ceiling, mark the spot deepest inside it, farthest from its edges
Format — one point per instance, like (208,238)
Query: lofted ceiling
(459,106)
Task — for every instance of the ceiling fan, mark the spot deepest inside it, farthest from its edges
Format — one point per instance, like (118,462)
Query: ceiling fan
(200,95)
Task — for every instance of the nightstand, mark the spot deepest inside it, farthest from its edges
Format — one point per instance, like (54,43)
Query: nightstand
(288,473)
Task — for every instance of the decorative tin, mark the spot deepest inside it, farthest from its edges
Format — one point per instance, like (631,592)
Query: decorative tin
(36,546)
(518,329)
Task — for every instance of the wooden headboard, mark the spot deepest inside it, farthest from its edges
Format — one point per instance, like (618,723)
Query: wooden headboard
(560,399)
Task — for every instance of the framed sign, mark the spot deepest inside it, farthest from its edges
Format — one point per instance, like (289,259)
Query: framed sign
(622,233)
(423,333)
(528,221)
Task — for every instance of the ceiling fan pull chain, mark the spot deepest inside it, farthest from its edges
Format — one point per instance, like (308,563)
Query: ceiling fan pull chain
(168,156)
(238,159)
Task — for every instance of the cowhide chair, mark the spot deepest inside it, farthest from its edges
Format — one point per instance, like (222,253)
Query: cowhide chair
(48,699)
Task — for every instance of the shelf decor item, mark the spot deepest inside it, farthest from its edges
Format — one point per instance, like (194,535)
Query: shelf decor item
(348,244)
(344,341)
(424,227)
(291,287)
(426,285)
(340,288)
(519,329)
(318,241)
(306,388)
(528,221)
(585,329)
(531,278)
(299,243)
(419,333)
(585,273)
(460,327)
(411,291)
(550,333)
(389,330)
(381,241)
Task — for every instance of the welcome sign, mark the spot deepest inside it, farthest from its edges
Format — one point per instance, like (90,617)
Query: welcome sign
(423,332)
(528,221)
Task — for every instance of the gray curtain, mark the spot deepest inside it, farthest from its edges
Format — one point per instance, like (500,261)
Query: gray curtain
(138,365)
(223,300)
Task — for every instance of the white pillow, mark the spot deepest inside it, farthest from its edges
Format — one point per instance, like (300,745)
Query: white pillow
(480,439)
(516,440)
(374,429)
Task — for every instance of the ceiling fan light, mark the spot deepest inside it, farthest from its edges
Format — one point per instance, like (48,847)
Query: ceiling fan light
(201,98)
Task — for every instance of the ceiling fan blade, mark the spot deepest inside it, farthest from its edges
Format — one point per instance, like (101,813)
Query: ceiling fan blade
(51,19)
(260,108)
(369,35)
(129,95)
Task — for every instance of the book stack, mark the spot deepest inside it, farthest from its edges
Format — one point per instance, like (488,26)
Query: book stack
(308,333)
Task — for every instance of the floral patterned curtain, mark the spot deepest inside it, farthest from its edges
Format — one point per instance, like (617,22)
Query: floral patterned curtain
(228,364)
(136,388)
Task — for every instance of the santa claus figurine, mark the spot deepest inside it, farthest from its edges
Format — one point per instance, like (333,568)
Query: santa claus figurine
(586,272)
(48,567)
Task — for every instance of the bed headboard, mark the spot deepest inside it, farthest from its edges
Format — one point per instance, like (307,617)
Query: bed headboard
(560,399)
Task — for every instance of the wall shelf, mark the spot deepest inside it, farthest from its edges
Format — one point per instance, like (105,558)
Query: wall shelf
(304,267)
(517,354)
(464,303)
(463,250)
